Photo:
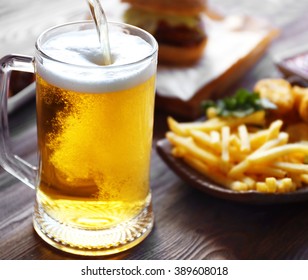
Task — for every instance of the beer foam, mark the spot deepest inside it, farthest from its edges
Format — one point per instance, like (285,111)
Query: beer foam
(81,56)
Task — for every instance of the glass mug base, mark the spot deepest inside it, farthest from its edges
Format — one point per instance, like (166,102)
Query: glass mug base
(93,242)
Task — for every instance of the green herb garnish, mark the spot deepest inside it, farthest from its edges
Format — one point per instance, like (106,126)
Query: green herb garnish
(243,103)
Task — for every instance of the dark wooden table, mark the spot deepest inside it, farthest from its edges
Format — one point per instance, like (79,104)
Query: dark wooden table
(188,223)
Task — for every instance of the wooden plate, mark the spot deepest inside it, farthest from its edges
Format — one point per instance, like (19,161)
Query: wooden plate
(204,184)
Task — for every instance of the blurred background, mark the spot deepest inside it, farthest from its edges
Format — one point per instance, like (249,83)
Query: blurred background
(17,29)
(21,21)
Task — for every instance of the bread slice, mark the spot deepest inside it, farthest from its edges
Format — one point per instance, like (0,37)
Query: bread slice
(180,56)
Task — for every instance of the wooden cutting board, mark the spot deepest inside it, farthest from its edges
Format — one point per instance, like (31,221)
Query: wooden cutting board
(220,80)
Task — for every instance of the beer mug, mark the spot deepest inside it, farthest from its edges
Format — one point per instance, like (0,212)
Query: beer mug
(94,128)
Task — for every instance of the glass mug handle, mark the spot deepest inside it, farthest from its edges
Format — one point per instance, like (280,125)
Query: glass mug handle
(13,164)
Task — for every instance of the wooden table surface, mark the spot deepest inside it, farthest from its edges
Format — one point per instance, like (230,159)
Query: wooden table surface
(188,223)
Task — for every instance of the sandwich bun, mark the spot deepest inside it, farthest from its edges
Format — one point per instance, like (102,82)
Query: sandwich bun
(177,25)
(180,56)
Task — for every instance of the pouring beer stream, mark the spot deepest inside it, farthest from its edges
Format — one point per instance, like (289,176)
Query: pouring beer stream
(101,24)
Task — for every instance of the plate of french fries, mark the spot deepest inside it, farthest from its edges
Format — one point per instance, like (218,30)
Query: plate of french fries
(251,147)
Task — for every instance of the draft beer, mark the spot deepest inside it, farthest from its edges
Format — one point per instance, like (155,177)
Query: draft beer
(95,153)
(94,126)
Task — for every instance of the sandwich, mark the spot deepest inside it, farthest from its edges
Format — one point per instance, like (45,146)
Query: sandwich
(177,25)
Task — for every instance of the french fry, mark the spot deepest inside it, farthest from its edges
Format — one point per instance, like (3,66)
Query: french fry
(178,152)
(215,139)
(236,155)
(214,175)
(225,135)
(274,129)
(271,184)
(280,140)
(291,167)
(176,127)
(257,139)
(264,154)
(216,123)
(250,182)
(192,148)
(287,185)
(295,158)
(244,137)
(276,152)
(261,187)
(184,129)
(239,186)
(205,140)
(237,170)
(229,152)
(235,142)
(268,171)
